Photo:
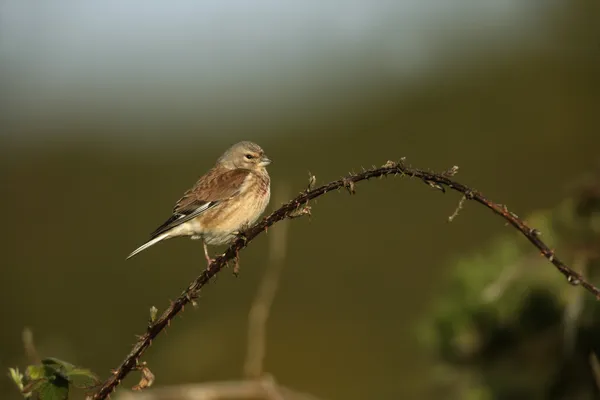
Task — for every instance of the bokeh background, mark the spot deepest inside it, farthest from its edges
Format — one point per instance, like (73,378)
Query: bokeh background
(110,110)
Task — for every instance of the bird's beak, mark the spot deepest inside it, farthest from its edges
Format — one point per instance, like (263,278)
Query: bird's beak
(264,161)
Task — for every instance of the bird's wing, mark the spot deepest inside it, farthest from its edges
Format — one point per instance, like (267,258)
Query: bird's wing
(209,191)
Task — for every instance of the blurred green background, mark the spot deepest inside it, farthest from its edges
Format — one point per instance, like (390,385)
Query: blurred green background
(110,111)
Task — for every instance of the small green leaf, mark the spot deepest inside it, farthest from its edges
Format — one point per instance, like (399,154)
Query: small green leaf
(82,377)
(153,314)
(51,379)
(17,377)
(54,368)
(57,389)
(57,365)
(35,372)
(33,386)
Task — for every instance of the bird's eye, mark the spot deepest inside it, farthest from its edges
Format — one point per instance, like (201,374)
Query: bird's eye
(249,156)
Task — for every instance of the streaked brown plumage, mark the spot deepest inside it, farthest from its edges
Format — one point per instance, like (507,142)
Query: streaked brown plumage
(228,198)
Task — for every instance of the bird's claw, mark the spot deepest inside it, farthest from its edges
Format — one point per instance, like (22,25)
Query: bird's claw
(209,262)
(241,235)
(236,267)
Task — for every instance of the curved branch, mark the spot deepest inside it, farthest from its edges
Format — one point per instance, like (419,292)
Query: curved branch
(299,206)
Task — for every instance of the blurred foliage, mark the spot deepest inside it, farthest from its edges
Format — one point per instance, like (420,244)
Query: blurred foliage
(51,379)
(509,326)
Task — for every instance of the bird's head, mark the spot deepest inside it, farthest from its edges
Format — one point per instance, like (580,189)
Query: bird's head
(246,155)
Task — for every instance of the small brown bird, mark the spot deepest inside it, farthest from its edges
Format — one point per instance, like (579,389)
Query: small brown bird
(229,197)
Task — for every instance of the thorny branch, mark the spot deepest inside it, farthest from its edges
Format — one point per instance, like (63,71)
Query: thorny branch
(299,206)
(256,384)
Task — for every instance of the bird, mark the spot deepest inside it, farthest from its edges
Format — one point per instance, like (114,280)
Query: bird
(230,197)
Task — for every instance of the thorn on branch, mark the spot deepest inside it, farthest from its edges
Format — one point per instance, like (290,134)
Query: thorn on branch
(549,254)
(451,172)
(241,236)
(349,184)
(435,185)
(191,296)
(573,280)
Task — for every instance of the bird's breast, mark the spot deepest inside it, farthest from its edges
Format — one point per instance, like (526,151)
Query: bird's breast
(237,212)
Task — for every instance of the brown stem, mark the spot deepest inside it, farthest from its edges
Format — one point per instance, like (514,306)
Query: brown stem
(290,210)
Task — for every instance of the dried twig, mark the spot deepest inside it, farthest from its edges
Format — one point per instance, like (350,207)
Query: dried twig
(435,180)
(30,349)
(459,207)
(263,388)
(595,366)
(261,307)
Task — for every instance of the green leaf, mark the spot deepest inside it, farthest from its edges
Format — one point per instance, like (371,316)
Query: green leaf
(51,379)
(57,365)
(153,314)
(17,377)
(35,372)
(33,386)
(78,376)
(57,389)
(82,377)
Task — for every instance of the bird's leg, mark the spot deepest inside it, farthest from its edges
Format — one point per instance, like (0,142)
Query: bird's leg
(240,234)
(236,268)
(208,259)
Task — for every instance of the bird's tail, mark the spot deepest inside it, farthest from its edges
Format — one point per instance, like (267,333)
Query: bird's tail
(148,244)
